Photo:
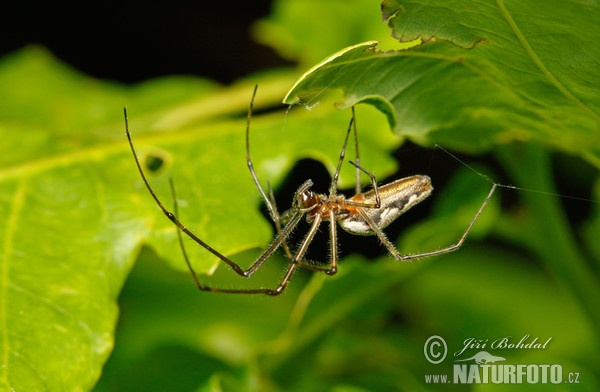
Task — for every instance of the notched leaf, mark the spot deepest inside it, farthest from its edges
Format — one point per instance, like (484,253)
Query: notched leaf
(440,22)
(514,88)
(389,9)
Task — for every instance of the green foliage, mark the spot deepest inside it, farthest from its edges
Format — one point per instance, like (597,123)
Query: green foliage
(488,78)
(502,79)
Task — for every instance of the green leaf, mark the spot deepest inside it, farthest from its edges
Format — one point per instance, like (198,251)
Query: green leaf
(487,73)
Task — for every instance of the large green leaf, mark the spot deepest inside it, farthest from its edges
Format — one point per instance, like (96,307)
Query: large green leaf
(487,73)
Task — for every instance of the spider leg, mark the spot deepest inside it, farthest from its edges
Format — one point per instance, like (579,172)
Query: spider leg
(351,126)
(278,241)
(460,241)
(308,238)
(356,154)
(381,235)
(270,199)
(193,272)
(284,282)
(377,203)
(181,245)
(333,243)
(356,163)
(276,217)
(296,261)
(333,262)
(333,187)
(269,202)
(336,174)
(394,252)
(239,270)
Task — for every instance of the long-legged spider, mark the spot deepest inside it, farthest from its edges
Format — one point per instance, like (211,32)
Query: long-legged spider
(362,214)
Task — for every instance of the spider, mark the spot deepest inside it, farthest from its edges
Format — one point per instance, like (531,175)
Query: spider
(364,214)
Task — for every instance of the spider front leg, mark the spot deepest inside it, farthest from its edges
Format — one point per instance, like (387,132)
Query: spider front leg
(181,228)
(270,199)
(246,273)
(299,259)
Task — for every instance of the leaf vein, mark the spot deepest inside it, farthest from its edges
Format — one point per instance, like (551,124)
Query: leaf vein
(11,224)
(538,62)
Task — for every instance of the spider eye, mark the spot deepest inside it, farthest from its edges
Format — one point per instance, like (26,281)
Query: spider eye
(305,198)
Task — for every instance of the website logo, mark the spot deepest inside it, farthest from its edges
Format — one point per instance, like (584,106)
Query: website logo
(478,366)
(482,358)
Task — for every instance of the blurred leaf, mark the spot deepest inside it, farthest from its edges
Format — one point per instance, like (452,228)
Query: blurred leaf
(164,314)
(489,73)
(490,294)
(592,228)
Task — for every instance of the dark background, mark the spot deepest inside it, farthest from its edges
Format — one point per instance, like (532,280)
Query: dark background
(131,42)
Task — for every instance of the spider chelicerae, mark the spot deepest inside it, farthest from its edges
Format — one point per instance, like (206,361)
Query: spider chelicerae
(363,214)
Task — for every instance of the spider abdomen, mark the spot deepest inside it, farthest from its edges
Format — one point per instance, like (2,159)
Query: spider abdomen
(395,199)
